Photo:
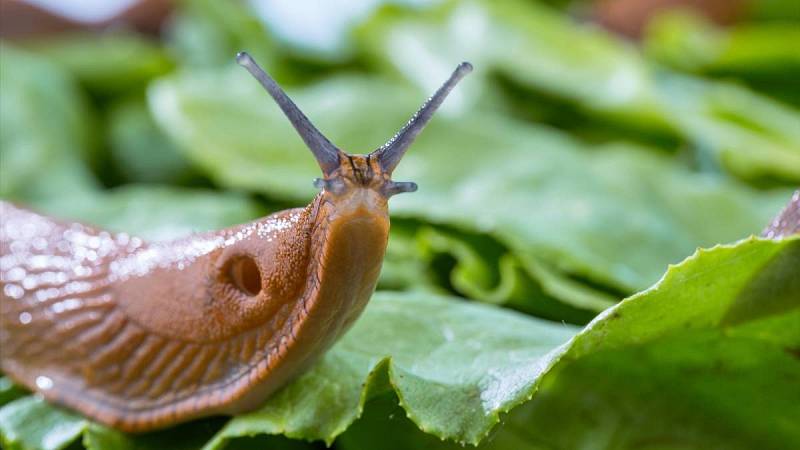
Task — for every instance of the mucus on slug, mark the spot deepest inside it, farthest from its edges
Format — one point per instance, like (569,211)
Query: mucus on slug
(143,335)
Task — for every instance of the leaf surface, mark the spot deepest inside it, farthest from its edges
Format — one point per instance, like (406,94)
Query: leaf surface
(45,123)
(707,358)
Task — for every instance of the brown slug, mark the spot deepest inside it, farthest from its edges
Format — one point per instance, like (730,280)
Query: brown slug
(141,336)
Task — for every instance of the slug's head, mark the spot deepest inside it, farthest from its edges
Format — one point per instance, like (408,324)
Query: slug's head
(343,173)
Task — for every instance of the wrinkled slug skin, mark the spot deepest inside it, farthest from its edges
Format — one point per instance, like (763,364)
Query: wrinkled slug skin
(141,336)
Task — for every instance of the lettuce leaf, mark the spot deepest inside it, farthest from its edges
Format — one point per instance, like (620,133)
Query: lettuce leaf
(707,358)
(45,122)
(108,63)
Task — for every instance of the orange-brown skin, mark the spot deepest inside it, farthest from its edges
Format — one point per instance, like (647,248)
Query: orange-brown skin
(140,336)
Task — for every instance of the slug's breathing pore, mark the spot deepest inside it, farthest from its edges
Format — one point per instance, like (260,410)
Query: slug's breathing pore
(140,336)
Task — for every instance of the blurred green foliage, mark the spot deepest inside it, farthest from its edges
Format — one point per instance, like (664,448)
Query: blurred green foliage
(138,148)
(566,173)
(600,77)
(763,56)
(45,129)
(108,64)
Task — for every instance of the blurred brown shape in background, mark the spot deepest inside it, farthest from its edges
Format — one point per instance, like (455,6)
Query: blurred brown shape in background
(630,17)
(20,19)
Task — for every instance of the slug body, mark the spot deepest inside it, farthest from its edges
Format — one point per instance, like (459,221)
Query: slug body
(141,336)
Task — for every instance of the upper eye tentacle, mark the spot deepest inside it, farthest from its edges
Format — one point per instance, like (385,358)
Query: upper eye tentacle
(390,153)
(324,151)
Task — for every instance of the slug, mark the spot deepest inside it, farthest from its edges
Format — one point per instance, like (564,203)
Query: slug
(140,336)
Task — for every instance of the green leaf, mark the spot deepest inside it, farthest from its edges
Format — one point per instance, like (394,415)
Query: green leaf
(404,267)
(773,10)
(106,63)
(45,122)
(189,436)
(707,358)
(9,391)
(589,71)
(564,210)
(140,151)
(483,270)
(207,33)
(760,54)
(689,42)
(32,423)
(385,417)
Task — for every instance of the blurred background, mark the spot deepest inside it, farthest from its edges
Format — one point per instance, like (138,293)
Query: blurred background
(595,143)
